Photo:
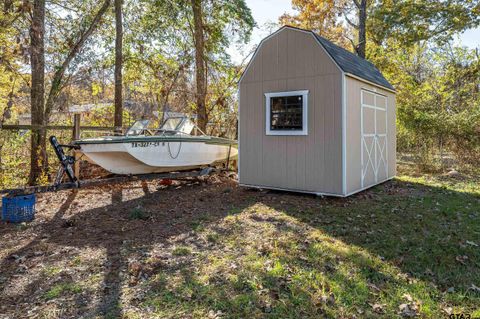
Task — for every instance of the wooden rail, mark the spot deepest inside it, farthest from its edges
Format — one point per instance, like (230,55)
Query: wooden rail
(76,130)
(55,127)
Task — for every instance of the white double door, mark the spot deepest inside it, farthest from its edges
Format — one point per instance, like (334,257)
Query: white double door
(374,138)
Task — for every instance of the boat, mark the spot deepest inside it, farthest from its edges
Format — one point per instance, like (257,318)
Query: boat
(176,146)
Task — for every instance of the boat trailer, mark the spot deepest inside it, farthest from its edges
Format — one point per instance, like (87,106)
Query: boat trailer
(66,168)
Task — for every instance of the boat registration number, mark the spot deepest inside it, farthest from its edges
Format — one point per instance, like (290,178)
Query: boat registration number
(146,144)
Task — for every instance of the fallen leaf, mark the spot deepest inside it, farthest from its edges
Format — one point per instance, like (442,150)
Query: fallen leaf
(378,308)
(134,268)
(471,243)
(408,310)
(331,300)
(461,259)
(474,288)
(374,287)
(448,310)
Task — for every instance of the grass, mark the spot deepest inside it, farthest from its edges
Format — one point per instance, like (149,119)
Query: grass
(213,237)
(401,252)
(61,289)
(138,213)
(181,251)
(52,271)
(407,248)
(76,261)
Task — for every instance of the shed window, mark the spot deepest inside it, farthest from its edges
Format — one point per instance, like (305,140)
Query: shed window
(286,113)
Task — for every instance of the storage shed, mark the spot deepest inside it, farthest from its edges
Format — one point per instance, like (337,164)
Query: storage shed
(314,118)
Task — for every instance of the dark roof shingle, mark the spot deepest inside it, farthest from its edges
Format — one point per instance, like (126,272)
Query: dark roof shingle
(352,63)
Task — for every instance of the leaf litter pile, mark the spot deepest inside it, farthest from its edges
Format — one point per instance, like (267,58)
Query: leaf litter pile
(206,248)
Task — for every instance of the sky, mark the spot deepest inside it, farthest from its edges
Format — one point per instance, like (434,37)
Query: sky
(265,11)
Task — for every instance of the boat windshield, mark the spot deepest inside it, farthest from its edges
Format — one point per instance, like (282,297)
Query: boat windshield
(171,124)
(138,127)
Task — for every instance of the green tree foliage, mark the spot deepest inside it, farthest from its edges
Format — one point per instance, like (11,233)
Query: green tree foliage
(410,41)
(164,42)
(411,21)
(158,60)
(13,52)
(437,98)
(437,83)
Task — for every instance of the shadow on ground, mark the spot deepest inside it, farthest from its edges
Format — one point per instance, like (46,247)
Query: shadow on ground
(213,249)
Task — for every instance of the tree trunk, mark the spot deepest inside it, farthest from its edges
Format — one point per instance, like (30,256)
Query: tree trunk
(38,158)
(362,34)
(56,86)
(200,74)
(118,67)
(40,108)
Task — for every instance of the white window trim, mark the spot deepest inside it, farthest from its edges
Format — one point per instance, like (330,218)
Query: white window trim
(304,131)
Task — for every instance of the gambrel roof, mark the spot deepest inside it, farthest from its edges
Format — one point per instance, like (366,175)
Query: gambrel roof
(353,64)
(348,62)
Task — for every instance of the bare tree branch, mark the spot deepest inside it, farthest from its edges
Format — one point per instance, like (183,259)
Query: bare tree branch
(350,22)
(59,74)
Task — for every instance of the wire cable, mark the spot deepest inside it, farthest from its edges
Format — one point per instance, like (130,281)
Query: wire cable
(170,151)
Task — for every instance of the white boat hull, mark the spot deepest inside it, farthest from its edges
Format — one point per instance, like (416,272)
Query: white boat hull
(155,156)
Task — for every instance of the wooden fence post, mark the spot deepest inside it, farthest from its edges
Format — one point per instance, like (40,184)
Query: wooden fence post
(76,136)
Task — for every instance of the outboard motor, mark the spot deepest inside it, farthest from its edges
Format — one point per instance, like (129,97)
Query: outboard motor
(66,161)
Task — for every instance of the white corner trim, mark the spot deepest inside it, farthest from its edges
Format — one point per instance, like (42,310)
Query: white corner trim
(387,144)
(344,135)
(304,130)
(238,131)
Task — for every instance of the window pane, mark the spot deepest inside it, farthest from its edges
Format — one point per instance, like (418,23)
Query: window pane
(171,123)
(138,127)
(286,113)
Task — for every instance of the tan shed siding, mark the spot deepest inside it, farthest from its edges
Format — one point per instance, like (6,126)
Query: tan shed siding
(288,61)
(353,133)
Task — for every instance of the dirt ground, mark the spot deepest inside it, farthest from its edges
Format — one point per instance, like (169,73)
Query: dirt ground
(107,251)
(94,226)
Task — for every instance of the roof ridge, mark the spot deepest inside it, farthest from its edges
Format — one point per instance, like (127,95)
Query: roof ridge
(338,46)
(368,72)
(323,38)
(348,62)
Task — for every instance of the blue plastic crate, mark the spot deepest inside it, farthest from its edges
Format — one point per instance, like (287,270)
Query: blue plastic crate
(18,209)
